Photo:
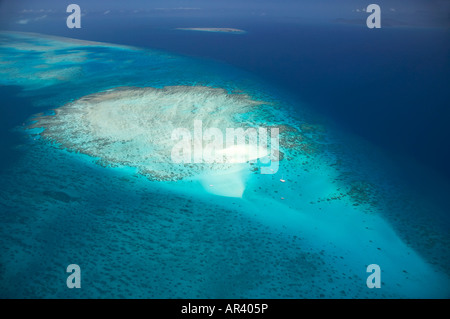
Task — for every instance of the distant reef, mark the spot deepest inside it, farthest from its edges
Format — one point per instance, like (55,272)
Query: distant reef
(222,30)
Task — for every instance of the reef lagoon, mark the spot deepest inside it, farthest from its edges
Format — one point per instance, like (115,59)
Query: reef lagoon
(88,180)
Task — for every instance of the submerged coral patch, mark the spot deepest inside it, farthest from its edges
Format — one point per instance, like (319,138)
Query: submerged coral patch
(133,126)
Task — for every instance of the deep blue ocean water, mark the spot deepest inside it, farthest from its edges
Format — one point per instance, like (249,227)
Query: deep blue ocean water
(388,88)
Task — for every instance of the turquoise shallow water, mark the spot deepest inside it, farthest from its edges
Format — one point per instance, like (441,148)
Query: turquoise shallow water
(310,237)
